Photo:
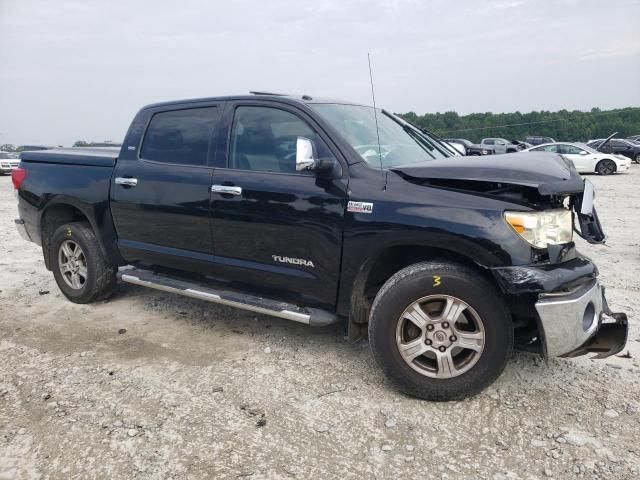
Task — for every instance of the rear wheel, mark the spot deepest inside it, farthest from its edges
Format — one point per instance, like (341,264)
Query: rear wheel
(81,270)
(637,159)
(605,167)
(440,331)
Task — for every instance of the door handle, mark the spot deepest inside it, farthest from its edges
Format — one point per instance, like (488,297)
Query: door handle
(226,189)
(129,182)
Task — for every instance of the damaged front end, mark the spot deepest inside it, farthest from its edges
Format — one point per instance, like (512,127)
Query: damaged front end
(580,322)
(556,300)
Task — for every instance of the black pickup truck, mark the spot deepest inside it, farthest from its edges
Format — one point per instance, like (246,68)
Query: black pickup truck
(320,211)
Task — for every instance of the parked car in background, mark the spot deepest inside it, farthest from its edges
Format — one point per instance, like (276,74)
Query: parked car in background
(585,158)
(8,162)
(533,140)
(635,138)
(470,147)
(620,146)
(501,145)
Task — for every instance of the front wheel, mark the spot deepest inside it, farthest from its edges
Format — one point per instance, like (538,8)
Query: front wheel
(605,167)
(637,159)
(440,331)
(81,270)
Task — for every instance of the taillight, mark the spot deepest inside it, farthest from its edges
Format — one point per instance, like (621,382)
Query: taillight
(17,177)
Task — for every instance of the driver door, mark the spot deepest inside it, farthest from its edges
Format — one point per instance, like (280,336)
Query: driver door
(276,231)
(500,146)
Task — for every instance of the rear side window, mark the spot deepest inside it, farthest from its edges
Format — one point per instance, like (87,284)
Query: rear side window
(488,141)
(180,136)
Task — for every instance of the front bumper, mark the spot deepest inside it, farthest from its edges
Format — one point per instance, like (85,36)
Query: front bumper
(573,324)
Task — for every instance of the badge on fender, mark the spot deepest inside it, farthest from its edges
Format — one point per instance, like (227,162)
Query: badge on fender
(360,207)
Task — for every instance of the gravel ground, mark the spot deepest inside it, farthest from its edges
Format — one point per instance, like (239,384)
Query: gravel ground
(152,385)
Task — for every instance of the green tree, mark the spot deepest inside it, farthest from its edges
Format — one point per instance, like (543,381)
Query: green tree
(563,125)
(81,143)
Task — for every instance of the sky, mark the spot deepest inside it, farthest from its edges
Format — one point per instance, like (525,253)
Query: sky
(80,69)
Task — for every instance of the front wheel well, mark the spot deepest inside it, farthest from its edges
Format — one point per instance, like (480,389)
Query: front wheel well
(52,218)
(390,261)
(615,165)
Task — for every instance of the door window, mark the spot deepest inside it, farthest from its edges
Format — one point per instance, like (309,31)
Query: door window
(179,136)
(569,150)
(264,139)
(546,148)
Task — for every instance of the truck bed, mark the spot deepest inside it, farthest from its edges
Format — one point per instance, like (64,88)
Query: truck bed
(95,157)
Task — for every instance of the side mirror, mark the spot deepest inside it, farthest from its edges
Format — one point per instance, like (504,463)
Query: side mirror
(305,159)
(304,154)
(582,152)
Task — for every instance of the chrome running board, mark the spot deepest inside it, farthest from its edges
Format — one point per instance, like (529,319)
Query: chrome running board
(309,316)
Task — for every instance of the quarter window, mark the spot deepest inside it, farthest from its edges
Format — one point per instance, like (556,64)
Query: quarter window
(264,139)
(180,136)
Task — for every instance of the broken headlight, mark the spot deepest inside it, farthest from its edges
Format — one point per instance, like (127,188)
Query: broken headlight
(549,227)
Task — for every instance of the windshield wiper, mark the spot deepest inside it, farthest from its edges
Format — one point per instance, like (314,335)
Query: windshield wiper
(421,134)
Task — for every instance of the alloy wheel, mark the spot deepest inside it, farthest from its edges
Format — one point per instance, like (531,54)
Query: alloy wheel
(73,264)
(440,336)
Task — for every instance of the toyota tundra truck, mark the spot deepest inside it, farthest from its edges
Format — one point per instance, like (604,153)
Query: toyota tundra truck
(320,212)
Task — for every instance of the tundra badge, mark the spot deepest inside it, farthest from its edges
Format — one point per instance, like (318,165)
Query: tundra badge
(293,261)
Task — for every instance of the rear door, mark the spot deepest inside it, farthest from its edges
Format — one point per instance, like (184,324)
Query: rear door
(160,189)
(279,232)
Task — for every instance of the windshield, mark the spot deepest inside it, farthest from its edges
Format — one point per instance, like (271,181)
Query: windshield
(586,147)
(400,143)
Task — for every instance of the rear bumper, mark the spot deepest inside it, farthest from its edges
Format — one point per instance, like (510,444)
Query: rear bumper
(573,324)
(22,230)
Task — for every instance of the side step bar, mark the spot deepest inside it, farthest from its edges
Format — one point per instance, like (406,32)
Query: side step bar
(310,316)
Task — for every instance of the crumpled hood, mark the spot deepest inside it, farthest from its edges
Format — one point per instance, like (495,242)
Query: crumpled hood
(549,173)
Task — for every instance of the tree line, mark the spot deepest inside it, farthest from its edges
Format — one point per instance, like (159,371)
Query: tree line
(563,125)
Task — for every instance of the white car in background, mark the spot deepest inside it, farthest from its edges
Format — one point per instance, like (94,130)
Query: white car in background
(586,159)
(8,162)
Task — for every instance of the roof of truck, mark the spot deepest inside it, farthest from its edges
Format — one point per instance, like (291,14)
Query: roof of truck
(282,97)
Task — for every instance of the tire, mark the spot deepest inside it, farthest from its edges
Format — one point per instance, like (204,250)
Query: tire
(637,158)
(606,167)
(432,282)
(86,275)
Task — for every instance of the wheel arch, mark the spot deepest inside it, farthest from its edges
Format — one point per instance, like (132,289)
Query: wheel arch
(378,268)
(57,213)
(615,165)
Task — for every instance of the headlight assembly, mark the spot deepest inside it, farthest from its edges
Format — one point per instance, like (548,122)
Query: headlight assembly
(550,227)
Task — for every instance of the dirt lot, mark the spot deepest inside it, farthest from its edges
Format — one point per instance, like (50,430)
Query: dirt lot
(152,385)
